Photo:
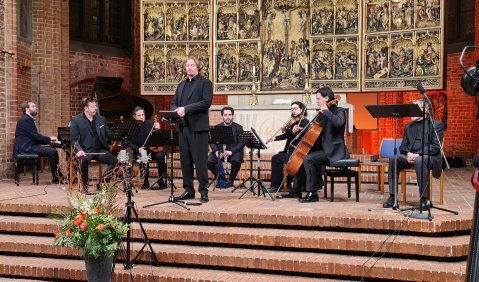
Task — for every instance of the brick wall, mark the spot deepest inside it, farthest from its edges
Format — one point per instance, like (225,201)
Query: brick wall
(86,67)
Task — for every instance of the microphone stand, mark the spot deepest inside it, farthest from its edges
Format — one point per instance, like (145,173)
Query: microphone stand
(428,122)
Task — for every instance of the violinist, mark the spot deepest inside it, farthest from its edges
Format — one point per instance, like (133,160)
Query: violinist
(292,128)
(328,147)
(141,144)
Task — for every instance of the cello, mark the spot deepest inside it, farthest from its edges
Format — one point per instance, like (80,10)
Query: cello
(311,134)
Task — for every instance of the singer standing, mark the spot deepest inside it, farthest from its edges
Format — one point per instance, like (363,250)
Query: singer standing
(192,101)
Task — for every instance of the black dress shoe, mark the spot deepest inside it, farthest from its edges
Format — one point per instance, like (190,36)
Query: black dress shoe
(272,189)
(145,186)
(310,198)
(288,196)
(204,198)
(186,196)
(425,204)
(389,203)
(55,180)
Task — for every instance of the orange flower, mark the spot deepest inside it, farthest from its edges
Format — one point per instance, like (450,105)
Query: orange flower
(83,225)
(77,222)
(56,235)
(100,227)
(94,211)
(79,217)
(67,233)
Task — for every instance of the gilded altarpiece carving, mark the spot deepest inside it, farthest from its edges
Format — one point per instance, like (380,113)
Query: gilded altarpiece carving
(403,44)
(289,46)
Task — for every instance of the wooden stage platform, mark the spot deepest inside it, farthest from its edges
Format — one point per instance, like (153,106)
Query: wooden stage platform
(253,238)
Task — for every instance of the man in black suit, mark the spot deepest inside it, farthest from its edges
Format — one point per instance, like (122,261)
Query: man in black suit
(28,140)
(329,146)
(411,156)
(233,153)
(90,135)
(142,144)
(192,101)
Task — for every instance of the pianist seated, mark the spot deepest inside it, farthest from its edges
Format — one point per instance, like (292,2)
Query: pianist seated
(28,140)
(89,134)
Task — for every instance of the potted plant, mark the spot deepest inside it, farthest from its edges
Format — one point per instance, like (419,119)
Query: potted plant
(90,224)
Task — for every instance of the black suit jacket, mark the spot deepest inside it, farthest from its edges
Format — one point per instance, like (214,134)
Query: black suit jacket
(432,146)
(333,122)
(27,138)
(197,106)
(82,136)
(237,148)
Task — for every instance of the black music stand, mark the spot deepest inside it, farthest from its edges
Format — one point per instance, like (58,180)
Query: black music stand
(161,138)
(172,118)
(253,141)
(220,136)
(394,111)
(128,129)
(125,129)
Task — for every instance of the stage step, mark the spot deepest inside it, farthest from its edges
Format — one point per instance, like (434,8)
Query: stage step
(305,264)
(74,270)
(436,248)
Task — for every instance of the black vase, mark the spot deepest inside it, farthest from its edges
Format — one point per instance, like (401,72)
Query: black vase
(99,270)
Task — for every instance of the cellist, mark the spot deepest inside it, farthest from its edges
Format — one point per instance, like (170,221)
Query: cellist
(328,147)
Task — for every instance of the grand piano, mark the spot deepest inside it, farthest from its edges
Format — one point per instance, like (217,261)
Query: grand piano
(113,103)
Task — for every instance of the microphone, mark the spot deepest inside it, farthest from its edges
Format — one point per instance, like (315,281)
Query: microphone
(421,89)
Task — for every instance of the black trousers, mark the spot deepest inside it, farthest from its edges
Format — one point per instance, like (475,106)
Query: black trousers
(194,155)
(213,166)
(277,170)
(52,155)
(421,161)
(311,172)
(161,159)
(106,157)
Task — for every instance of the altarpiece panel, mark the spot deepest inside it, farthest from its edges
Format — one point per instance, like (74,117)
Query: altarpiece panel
(290,46)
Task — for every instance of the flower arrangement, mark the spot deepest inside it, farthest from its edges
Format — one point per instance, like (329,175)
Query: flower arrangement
(91,225)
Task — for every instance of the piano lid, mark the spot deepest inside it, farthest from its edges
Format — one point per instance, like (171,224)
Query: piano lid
(113,103)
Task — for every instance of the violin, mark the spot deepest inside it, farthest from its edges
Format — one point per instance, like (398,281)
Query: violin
(292,121)
(155,149)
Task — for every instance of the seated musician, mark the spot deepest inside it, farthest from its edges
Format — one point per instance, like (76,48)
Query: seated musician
(233,153)
(292,128)
(28,140)
(90,135)
(141,143)
(410,156)
(328,147)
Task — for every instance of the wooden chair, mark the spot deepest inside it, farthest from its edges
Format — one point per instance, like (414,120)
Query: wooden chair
(386,152)
(441,184)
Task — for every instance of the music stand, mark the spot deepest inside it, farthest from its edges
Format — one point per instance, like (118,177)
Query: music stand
(128,129)
(172,118)
(220,136)
(253,141)
(394,111)
(125,129)
(161,138)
